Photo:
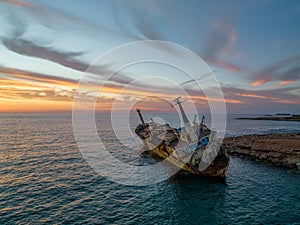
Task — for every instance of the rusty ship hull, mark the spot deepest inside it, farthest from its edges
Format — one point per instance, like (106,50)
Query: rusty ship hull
(217,168)
(188,147)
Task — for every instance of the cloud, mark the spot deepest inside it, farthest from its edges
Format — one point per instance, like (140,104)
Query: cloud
(18,85)
(32,94)
(142,15)
(16,74)
(143,26)
(225,65)
(18,3)
(28,48)
(20,88)
(259,82)
(255,97)
(221,40)
(140,20)
(285,72)
(220,44)
(145,16)
(55,18)
(285,82)
(16,43)
(30,79)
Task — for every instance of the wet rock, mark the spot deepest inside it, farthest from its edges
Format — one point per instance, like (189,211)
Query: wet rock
(277,149)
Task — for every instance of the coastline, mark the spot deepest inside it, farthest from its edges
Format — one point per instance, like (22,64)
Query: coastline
(277,149)
(274,118)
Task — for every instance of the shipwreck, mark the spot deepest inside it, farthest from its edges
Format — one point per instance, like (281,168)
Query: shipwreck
(193,148)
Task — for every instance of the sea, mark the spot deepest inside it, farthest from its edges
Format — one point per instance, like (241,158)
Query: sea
(45,179)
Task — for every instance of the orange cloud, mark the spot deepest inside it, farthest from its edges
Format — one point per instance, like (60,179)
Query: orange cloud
(229,32)
(227,66)
(262,81)
(259,82)
(23,91)
(285,82)
(226,100)
(252,96)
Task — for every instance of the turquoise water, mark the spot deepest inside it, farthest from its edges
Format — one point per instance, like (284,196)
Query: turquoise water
(44,179)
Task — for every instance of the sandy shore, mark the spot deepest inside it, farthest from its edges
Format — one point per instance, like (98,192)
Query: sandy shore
(275,149)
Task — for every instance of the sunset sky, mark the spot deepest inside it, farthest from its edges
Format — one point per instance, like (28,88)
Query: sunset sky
(47,45)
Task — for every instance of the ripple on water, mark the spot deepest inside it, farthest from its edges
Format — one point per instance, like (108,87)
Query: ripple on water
(44,179)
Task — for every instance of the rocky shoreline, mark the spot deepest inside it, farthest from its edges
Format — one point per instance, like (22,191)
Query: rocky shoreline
(275,118)
(275,149)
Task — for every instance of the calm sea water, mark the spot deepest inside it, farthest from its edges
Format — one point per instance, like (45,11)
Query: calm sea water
(44,179)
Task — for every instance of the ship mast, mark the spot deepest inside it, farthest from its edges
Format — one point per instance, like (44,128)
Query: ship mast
(141,117)
(188,128)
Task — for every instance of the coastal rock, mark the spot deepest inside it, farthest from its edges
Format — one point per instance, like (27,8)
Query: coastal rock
(276,149)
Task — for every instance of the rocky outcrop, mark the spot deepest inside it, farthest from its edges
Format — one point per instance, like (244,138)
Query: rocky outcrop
(276,118)
(276,149)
